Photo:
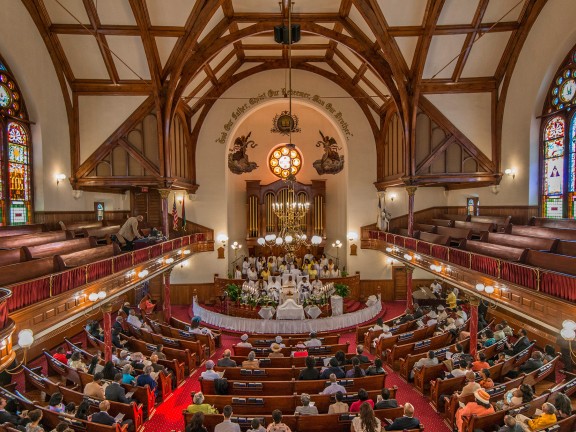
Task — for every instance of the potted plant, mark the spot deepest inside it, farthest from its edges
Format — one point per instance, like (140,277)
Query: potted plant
(341,289)
(343,273)
(233,292)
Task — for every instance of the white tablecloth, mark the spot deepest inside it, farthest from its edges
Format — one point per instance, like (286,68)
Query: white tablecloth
(255,326)
(289,310)
(313,311)
(266,312)
(337,304)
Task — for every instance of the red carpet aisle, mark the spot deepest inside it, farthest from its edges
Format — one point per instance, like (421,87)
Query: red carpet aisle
(168,416)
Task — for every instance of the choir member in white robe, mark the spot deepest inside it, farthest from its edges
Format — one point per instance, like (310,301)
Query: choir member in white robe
(325,273)
(252,274)
(245,267)
(303,290)
(238,273)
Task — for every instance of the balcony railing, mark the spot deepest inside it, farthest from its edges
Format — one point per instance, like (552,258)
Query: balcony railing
(559,285)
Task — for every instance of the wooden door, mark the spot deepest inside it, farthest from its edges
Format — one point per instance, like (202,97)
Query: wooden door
(149,205)
(399,279)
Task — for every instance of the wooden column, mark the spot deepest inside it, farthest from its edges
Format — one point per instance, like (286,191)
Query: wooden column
(474,303)
(164,193)
(409,299)
(411,192)
(167,305)
(107,318)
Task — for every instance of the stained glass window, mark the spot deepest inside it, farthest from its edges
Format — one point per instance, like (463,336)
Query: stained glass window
(15,159)
(553,170)
(572,169)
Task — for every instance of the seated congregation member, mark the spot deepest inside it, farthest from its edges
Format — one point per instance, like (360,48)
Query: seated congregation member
(226,361)
(60,355)
(35,416)
(137,322)
(499,333)
(10,417)
(563,406)
(252,362)
(376,368)
(521,344)
(534,362)
(480,406)
(313,341)
(127,377)
(278,340)
(116,338)
(480,363)
(407,421)
(547,418)
(510,425)
(94,389)
(75,361)
(338,407)
(305,408)
(485,381)
(508,331)
(429,360)
(487,338)
(227,425)
(196,423)
(209,374)
(383,401)
(405,318)
(442,314)
(138,361)
(518,396)
(146,378)
(366,421)
(332,368)
(115,392)
(146,306)
(385,334)
(334,387)
(360,354)
(155,366)
(458,355)
(459,371)
(158,352)
(356,371)
(276,351)
(277,425)
(256,426)
(451,298)
(198,405)
(362,397)
(469,388)
(549,354)
(102,417)
(55,403)
(341,357)
(309,372)
(244,341)
(109,371)
(196,328)
(301,350)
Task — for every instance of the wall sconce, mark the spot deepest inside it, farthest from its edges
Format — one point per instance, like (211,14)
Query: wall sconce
(392,197)
(25,340)
(510,172)
(143,274)
(59,178)
(169,261)
(568,333)
(101,295)
(436,268)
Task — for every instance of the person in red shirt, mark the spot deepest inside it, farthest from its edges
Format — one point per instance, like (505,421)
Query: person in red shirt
(301,350)
(362,397)
(480,406)
(60,355)
(481,363)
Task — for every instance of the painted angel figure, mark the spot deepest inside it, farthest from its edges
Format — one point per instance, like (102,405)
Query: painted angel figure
(331,162)
(238,161)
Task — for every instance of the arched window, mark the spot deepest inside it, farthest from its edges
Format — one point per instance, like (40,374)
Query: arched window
(558,144)
(15,153)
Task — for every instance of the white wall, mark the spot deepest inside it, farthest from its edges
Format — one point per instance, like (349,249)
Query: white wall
(27,57)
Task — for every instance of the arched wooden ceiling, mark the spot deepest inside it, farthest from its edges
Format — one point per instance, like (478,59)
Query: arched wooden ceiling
(188,52)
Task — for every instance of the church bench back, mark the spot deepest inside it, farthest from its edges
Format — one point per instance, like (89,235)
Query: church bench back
(455,233)
(443,240)
(264,351)
(456,217)
(535,231)
(19,272)
(287,362)
(203,341)
(193,345)
(442,222)
(399,351)
(497,220)
(361,330)
(87,256)
(258,341)
(552,223)
(517,241)
(11,256)
(59,248)
(395,330)
(182,355)
(425,228)
(566,247)
(266,374)
(102,233)
(507,253)
(404,338)
(13,230)
(548,261)
(17,241)
(79,226)
(476,227)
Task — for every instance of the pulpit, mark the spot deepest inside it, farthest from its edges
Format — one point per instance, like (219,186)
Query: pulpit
(337,304)
(290,310)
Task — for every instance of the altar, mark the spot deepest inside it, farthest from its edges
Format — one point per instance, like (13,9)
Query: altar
(290,310)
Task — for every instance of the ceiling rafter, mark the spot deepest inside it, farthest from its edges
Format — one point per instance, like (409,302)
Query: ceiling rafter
(471,38)
(101,40)
(228,9)
(453,29)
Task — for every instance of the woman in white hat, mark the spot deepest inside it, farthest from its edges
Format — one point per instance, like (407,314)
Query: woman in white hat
(244,341)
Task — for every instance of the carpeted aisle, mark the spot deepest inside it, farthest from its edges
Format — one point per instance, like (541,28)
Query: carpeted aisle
(168,415)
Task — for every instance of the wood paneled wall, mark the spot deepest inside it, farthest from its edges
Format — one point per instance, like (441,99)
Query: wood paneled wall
(51,218)
(520,214)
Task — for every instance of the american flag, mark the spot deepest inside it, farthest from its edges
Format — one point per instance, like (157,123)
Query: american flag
(183,214)
(175,215)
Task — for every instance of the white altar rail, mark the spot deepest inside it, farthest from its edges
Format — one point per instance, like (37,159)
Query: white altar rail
(255,326)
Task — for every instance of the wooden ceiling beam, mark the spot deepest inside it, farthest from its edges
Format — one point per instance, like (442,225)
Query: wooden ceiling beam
(101,40)
(453,29)
(304,59)
(359,74)
(278,47)
(210,74)
(117,30)
(228,9)
(471,38)
(96,87)
(465,85)
(276,18)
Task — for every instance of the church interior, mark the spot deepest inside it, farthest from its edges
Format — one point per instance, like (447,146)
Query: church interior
(277,215)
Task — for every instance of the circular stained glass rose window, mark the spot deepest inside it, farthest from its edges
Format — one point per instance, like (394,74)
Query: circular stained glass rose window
(285,161)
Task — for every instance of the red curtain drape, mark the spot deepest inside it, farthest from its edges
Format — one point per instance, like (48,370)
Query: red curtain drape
(458,257)
(166,247)
(99,270)
(68,280)
(3,314)
(122,262)
(177,243)
(473,329)
(424,248)
(410,243)
(519,274)
(140,256)
(399,241)
(185,240)
(440,252)
(485,264)
(558,285)
(27,293)
(155,251)
(107,318)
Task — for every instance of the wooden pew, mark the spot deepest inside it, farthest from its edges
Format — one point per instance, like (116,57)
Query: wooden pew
(456,234)
(11,256)
(398,351)
(522,242)
(446,223)
(264,351)
(535,231)
(264,374)
(499,221)
(456,217)
(27,270)
(87,256)
(552,223)
(404,232)
(182,355)
(287,362)
(404,338)
(270,388)
(557,263)
(77,227)
(193,346)
(17,241)
(566,247)
(63,370)
(258,341)
(361,330)
(34,380)
(443,240)
(507,253)
(101,234)
(477,228)
(58,248)
(395,330)
(174,322)
(425,228)
(13,230)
